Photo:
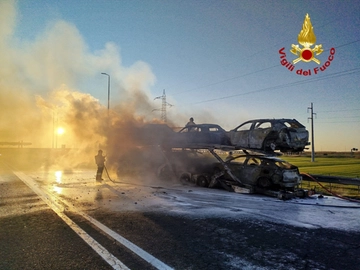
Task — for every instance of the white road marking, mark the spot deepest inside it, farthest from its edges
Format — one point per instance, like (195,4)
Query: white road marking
(137,250)
(58,209)
(134,248)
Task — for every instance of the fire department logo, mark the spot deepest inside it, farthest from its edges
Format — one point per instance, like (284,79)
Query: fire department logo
(306,38)
(306,53)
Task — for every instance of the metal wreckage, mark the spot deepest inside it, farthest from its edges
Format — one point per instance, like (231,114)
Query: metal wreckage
(196,154)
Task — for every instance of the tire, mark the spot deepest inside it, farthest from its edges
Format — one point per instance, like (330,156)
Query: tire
(164,173)
(185,178)
(202,181)
(264,182)
(269,146)
(272,146)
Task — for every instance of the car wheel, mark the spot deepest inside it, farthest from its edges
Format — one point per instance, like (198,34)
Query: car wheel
(164,173)
(269,146)
(185,178)
(202,181)
(284,136)
(272,146)
(264,182)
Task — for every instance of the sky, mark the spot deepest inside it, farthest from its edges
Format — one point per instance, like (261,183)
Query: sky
(217,61)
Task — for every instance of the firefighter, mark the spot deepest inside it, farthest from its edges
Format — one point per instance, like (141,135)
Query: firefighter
(191,122)
(100,162)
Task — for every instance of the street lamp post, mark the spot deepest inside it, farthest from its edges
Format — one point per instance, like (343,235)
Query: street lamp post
(103,73)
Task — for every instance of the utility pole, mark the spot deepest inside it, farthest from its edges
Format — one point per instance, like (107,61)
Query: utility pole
(108,107)
(53,129)
(164,104)
(311,108)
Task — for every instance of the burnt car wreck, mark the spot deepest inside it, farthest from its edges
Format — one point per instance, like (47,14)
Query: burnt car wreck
(256,172)
(260,135)
(242,173)
(286,135)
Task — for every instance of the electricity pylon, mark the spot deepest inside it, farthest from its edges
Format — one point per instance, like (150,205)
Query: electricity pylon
(163,106)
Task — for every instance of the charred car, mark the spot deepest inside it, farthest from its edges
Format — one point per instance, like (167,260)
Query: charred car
(199,136)
(267,172)
(286,135)
(245,170)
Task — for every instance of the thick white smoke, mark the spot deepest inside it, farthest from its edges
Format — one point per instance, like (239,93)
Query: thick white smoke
(40,84)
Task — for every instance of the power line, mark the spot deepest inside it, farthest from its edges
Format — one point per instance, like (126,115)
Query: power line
(345,110)
(226,80)
(258,52)
(332,75)
(341,122)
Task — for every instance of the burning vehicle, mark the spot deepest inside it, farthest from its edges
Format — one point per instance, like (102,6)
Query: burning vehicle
(286,135)
(193,155)
(199,135)
(183,163)
(254,172)
(265,172)
(261,135)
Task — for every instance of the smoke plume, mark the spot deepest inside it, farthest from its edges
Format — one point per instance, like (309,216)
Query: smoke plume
(42,88)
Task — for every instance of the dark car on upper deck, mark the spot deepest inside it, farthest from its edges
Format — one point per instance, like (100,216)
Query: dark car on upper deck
(286,135)
(199,136)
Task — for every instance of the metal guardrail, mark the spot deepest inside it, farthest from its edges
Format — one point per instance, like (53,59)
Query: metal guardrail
(333,179)
(20,144)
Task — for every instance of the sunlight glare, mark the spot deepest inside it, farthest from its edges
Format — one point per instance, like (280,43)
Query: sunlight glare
(60,131)
(57,189)
(58,176)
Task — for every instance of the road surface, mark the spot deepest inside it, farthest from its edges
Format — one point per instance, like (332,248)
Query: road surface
(54,219)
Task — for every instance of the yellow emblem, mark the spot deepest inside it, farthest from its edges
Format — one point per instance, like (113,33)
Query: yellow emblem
(306,38)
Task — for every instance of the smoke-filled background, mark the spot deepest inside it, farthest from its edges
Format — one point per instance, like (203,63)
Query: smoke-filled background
(39,94)
(218,61)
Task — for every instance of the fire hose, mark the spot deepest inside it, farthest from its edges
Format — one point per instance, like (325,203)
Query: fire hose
(108,174)
(332,193)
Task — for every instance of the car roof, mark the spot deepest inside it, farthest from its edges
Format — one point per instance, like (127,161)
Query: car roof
(203,126)
(273,120)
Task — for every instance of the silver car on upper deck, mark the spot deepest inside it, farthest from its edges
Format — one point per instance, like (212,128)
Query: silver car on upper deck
(268,135)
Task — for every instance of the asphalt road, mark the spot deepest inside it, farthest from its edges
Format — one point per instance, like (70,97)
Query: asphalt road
(185,227)
(32,236)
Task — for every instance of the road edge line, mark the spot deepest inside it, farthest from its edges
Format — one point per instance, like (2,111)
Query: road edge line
(97,247)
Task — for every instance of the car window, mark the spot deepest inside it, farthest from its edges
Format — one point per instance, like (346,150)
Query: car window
(189,129)
(213,129)
(267,162)
(245,126)
(239,159)
(263,125)
(293,124)
(203,129)
(253,161)
(280,125)
(284,164)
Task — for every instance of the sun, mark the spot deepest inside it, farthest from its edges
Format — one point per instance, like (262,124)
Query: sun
(60,131)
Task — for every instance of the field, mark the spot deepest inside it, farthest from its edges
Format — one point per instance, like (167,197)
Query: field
(340,165)
(334,166)
(331,164)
